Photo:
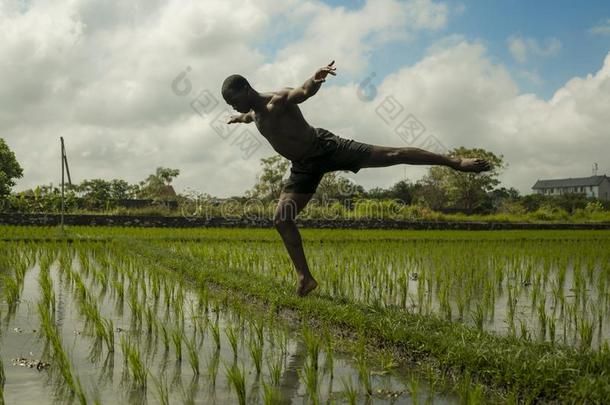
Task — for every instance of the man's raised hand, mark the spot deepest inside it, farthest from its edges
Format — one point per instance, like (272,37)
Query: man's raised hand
(235,119)
(320,76)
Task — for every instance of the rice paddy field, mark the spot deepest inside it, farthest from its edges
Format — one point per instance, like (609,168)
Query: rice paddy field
(129,315)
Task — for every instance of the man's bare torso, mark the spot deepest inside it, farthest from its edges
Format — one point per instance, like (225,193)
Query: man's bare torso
(285,128)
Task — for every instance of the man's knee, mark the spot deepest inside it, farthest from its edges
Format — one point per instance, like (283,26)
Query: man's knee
(282,223)
(285,214)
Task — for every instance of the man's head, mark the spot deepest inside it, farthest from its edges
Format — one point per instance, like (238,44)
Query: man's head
(237,92)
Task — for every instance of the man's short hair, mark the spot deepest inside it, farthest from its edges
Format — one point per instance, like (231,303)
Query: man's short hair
(233,84)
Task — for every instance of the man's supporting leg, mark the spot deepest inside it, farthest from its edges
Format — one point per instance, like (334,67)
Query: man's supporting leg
(289,206)
(382,156)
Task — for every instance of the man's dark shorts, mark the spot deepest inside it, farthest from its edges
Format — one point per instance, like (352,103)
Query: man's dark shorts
(330,153)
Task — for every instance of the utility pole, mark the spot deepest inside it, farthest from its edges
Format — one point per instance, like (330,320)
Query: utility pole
(66,169)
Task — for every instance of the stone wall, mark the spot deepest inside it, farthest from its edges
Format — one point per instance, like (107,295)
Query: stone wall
(182,222)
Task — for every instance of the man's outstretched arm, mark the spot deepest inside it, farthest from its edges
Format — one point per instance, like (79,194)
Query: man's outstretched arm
(241,118)
(311,86)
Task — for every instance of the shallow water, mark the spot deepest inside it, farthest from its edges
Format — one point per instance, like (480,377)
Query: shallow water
(105,376)
(413,275)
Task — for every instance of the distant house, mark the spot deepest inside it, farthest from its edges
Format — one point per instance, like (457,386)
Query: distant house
(594,186)
(166,192)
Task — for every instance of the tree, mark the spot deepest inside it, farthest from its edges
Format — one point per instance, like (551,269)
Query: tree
(463,190)
(122,190)
(98,192)
(155,183)
(336,187)
(95,192)
(10,170)
(269,182)
(403,191)
(501,198)
(166,174)
(378,193)
(431,190)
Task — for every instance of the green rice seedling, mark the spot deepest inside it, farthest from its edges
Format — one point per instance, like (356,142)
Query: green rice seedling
(151,320)
(203,322)
(461,303)
(167,293)
(259,330)
(585,331)
(2,375)
(236,378)
(119,289)
(80,392)
(47,323)
(464,387)
(255,347)
(109,335)
(475,395)
(524,332)
(388,363)
(137,369)
(350,391)
(212,366)
(312,344)
(46,286)
(232,337)
(274,365)
(215,328)
(364,373)
(329,350)
(188,394)
(11,292)
(478,317)
(60,357)
(155,289)
(271,394)
(552,329)
(414,390)
(136,311)
(282,341)
(309,375)
(165,336)
(162,388)
(177,337)
(191,348)
(542,318)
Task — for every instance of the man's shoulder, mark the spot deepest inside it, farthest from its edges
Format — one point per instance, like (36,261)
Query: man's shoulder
(278,101)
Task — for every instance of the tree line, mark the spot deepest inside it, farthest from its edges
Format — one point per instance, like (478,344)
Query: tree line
(441,190)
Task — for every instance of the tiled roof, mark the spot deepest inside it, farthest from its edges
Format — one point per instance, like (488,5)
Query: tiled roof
(575,182)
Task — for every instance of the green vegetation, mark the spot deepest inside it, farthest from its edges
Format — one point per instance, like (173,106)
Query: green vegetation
(442,194)
(485,317)
(10,170)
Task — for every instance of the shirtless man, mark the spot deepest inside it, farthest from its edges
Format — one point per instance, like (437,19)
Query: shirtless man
(313,152)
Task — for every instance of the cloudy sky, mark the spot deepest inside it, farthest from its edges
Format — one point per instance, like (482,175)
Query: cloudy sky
(135,85)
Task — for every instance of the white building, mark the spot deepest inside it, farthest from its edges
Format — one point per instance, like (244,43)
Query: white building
(594,186)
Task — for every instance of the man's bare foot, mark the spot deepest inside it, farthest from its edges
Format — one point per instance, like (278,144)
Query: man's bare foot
(306,285)
(471,165)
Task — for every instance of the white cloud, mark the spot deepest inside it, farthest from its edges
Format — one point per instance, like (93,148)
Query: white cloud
(464,99)
(601,29)
(100,73)
(348,36)
(521,48)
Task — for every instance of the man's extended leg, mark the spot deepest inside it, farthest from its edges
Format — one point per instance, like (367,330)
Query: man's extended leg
(382,156)
(289,206)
